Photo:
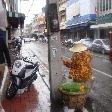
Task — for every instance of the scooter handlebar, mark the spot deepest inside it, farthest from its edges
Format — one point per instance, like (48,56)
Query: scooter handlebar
(25,59)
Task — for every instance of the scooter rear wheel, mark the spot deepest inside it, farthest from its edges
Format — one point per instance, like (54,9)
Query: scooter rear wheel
(11,91)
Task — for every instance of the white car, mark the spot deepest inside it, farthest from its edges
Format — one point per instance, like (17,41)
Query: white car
(27,40)
(33,39)
(87,42)
(101,45)
(69,42)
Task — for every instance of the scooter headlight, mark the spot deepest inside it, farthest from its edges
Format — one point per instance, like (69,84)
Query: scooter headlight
(17,64)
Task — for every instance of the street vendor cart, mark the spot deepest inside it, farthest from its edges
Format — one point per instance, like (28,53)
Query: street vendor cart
(74,93)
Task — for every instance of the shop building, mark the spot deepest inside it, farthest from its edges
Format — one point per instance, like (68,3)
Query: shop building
(14,18)
(80,15)
(62,14)
(39,23)
(62,18)
(104,19)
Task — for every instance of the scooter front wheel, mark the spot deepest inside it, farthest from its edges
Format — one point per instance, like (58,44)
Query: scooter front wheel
(11,91)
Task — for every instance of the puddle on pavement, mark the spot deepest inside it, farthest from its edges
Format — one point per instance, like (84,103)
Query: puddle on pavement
(94,106)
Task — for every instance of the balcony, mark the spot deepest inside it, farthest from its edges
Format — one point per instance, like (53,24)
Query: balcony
(102,13)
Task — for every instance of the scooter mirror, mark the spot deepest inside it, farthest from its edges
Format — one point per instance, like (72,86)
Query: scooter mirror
(34,55)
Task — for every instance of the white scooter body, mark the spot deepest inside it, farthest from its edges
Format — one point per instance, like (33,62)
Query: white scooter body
(17,68)
(20,64)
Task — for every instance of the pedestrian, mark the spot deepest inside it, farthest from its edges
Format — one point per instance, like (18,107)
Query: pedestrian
(4,55)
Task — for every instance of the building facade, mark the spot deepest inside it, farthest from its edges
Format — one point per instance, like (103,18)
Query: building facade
(12,5)
(38,24)
(80,15)
(62,18)
(104,19)
(14,18)
(62,14)
(41,23)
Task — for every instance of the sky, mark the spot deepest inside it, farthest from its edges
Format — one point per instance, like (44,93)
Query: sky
(36,8)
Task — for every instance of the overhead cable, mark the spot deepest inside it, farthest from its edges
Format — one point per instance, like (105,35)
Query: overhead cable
(30,8)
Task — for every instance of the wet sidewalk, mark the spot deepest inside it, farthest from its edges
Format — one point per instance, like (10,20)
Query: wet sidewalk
(38,98)
(35,100)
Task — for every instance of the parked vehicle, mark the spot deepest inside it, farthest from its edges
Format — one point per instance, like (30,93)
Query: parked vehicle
(69,43)
(15,46)
(101,45)
(34,35)
(87,42)
(110,54)
(45,40)
(22,76)
(27,40)
(33,39)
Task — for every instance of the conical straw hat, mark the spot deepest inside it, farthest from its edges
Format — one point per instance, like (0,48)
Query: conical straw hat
(78,47)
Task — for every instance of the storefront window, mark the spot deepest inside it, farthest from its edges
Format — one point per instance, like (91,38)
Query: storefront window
(98,3)
(103,5)
(107,5)
(101,2)
(110,2)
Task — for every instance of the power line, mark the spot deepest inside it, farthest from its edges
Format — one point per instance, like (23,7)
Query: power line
(30,8)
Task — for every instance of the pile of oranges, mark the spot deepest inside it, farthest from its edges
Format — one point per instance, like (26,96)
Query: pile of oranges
(80,66)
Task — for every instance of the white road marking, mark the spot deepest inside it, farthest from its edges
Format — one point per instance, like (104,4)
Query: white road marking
(102,73)
(92,68)
(105,57)
(106,60)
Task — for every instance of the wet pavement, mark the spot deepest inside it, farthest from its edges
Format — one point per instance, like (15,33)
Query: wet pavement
(35,100)
(99,99)
(38,98)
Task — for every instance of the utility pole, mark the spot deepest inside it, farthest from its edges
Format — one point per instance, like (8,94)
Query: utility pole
(20,23)
(20,6)
(54,55)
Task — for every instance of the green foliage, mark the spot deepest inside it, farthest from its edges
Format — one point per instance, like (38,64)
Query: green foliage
(71,87)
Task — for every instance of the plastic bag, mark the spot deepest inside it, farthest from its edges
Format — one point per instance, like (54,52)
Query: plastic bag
(3,16)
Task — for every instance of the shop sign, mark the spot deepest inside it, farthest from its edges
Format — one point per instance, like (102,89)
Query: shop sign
(104,19)
(80,11)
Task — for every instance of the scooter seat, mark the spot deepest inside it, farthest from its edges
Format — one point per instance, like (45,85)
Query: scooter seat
(31,66)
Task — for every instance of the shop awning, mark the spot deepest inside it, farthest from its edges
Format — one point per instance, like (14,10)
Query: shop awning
(15,19)
(80,26)
(15,14)
(106,25)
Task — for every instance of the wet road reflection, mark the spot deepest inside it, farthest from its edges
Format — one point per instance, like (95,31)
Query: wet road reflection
(93,105)
(28,101)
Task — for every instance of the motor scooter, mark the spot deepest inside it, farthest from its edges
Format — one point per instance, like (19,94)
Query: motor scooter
(24,73)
